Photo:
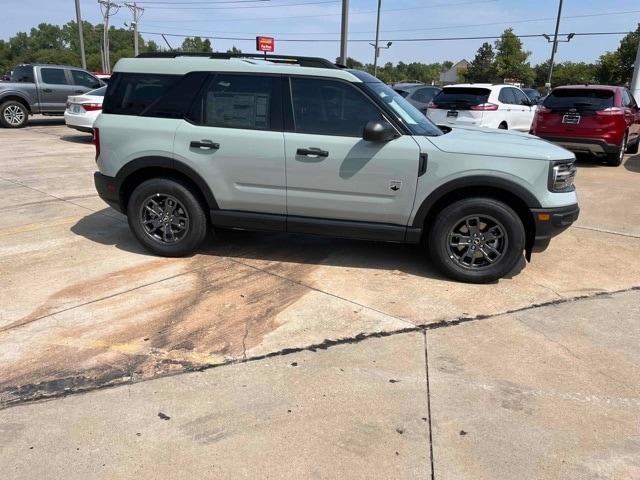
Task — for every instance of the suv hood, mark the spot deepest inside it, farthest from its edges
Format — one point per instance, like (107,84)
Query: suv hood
(498,143)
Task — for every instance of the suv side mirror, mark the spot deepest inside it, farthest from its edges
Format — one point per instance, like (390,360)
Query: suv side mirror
(379,131)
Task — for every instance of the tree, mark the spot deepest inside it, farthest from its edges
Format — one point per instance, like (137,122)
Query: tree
(196,44)
(234,50)
(565,73)
(616,68)
(482,68)
(511,60)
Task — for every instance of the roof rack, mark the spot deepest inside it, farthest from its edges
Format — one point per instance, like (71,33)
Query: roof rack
(314,62)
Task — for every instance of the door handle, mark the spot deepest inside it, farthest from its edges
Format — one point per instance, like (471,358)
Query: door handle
(312,152)
(204,145)
(47,90)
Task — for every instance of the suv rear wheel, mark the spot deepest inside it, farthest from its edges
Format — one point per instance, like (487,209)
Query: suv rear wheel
(477,240)
(13,114)
(615,159)
(166,217)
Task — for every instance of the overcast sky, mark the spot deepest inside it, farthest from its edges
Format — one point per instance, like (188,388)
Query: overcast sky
(320,19)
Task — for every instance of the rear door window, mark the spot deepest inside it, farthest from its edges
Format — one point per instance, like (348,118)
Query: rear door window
(54,76)
(23,74)
(506,96)
(249,102)
(132,93)
(580,99)
(461,98)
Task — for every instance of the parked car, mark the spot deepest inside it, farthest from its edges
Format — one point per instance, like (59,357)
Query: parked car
(102,76)
(418,94)
(41,89)
(482,105)
(533,94)
(188,143)
(597,119)
(82,110)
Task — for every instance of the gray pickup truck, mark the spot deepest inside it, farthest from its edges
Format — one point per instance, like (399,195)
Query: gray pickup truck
(41,89)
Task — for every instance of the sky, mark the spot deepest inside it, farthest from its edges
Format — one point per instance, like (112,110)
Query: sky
(320,20)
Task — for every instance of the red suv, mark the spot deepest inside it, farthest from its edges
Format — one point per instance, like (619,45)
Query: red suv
(598,119)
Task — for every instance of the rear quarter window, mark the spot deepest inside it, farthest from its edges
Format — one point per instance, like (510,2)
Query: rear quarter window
(580,99)
(132,93)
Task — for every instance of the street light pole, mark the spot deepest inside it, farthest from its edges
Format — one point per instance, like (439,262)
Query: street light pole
(80,35)
(376,52)
(344,32)
(554,48)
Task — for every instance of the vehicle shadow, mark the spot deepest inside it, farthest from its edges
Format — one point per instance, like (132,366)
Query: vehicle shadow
(41,121)
(633,163)
(281,248)
(84,138)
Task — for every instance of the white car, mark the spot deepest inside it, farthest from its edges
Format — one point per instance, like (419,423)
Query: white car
(482,105)
(82,110)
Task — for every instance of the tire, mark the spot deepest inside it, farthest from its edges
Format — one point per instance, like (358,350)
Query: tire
(176,234)
(459,262)
(503,126)
(615,159)
(633,149)
(13,114)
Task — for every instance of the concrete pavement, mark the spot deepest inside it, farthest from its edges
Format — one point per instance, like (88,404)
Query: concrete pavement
(84,307)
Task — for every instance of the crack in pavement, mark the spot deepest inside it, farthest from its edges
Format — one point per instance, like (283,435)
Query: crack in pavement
(604,230)
(324,345)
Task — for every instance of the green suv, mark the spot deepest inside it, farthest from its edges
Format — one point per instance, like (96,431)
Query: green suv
(187,143)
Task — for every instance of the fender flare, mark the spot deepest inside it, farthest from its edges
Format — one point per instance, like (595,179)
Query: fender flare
(7,94)
(166,163)
(473,181)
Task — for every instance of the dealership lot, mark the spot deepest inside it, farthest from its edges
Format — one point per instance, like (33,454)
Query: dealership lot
(84,307)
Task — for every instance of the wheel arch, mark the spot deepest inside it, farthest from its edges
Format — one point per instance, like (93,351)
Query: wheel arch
(16,98)
(512,194)
(144,168)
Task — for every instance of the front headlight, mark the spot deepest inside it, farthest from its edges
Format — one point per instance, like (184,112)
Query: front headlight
(562,175)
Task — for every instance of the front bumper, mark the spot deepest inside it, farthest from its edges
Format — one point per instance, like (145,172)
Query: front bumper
(593,146)
(550,222)
(108,190)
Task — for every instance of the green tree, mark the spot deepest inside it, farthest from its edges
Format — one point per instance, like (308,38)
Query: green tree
(616,68)
(511,60)
(482,68)
(235,50)
(196,44)
(565,73)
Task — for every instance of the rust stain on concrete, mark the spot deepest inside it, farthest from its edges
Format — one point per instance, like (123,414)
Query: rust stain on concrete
(209,315)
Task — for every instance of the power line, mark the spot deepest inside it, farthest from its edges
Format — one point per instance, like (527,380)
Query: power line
(507,22)
(205,2)
(248,6)
(435,39)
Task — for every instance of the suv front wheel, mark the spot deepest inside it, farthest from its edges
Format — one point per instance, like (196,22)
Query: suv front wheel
(477,240)
(166,217)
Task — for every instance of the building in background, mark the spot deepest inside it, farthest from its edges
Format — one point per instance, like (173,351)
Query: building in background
(455,74)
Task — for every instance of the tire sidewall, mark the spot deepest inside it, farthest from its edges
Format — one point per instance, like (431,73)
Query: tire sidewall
(4,106)
(197,219)
(453,214)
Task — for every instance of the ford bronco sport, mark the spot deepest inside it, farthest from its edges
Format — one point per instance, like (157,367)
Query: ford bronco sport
(189,143)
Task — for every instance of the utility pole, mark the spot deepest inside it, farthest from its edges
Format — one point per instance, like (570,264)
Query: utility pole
(376,53)
(137,14)
(83,58)
(344,32)
(635,81)
(554,48)
(108,9)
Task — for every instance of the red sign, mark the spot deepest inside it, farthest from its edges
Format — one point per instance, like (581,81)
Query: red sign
(265,44)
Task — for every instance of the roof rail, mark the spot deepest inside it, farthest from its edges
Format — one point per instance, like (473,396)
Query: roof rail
(314,62)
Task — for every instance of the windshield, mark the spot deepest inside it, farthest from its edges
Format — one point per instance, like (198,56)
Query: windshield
(580,99)
(417,123)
